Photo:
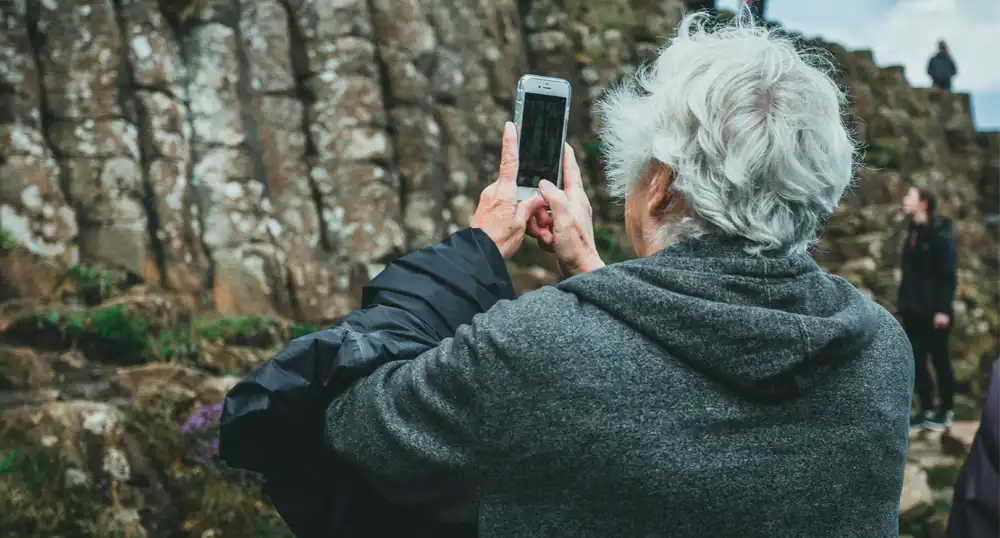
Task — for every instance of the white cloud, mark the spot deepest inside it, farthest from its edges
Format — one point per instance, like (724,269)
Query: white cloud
(905,32)
(970,27)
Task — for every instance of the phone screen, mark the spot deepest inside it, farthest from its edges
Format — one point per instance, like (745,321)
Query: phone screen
(542,121)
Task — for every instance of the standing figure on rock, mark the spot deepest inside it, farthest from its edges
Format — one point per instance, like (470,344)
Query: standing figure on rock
(941,68)
(925,298)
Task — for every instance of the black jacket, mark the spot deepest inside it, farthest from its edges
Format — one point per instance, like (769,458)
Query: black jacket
(930,270)
(273,420)
(941,68)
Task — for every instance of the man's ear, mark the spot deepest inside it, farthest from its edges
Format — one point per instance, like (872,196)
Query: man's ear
(659,193)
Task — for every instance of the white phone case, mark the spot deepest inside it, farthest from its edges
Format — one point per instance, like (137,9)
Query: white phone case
(546,86)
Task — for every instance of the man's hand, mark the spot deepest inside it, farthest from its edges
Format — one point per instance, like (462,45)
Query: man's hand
(568,231)
(498,213)
(941,320)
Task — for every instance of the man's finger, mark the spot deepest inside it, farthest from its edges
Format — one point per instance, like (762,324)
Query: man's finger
(544,217)
(534,229)
(529,207)
(553,196)
(546,240)
(571,170)
(508,155)
(542,234)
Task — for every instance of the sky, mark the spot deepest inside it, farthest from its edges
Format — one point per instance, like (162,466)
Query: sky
(906,32)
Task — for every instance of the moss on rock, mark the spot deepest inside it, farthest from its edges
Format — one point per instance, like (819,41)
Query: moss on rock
(7,241)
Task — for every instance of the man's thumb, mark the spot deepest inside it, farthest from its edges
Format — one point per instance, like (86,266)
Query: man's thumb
(552,195)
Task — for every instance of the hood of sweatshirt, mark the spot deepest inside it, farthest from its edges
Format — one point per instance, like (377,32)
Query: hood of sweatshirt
(767,327)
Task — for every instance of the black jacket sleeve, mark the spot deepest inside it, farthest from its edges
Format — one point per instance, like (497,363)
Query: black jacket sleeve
(946,268)
(975,511)
(273,420)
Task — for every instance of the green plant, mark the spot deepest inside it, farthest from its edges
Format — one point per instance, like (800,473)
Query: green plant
(942,505)
(8,241)
(112,332)
(7,463)
(836,229)
(593,147)
(912,528)
(183,343)
(177,344)
(298,330)
(92,285)
(119,329)
(943,477)
(75,323)
(883,154)
(966,410)
(227,328)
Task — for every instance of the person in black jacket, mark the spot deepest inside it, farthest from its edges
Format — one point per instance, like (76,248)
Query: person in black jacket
(941,68)
(925,304)
(975,509)
(272,419)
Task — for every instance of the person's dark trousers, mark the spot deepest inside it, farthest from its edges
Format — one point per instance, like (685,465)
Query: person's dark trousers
(942,84)
(928,342)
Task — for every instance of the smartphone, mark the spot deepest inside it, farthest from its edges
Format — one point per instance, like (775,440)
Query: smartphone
(541,113)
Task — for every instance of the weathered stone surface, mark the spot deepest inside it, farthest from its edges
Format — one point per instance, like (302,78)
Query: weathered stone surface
(22,368)
(160,381)
(917,499)
(957,440)
(159,310)
(93,135)
(171,383)
(26,275)
(79,58)
(925,450)
(286,141)
(91,439)
(222,358)
(33,208)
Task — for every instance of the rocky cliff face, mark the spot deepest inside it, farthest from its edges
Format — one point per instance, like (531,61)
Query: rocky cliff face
(249,153)
(922,137)
(186,185)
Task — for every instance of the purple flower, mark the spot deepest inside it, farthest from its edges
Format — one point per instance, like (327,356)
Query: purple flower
(201,428)
(204,418)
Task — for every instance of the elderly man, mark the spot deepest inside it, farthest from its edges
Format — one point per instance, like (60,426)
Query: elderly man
(720,385)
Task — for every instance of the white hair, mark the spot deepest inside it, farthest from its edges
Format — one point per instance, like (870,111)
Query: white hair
(751,127)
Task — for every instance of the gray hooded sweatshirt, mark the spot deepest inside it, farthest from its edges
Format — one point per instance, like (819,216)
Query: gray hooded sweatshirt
(698,393)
